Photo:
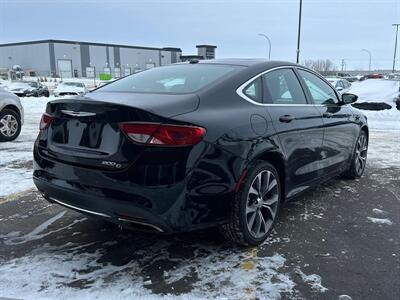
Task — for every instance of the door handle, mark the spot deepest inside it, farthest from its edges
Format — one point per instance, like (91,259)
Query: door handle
(327,115)
(286,118)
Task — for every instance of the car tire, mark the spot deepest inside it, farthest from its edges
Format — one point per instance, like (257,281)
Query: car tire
(10,125)
(359,158)
(246,227)
(47,94)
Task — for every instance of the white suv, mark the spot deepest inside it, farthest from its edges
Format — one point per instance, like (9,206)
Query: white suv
(11,116)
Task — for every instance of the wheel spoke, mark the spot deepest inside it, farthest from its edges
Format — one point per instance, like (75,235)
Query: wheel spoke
(253,191)
(251,221)
(259,223)
(250,209)
(266,182)
(258,183)
(271,212)
(270,201)
(361,162)
(271,185)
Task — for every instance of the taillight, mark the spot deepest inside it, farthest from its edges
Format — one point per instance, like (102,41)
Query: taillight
(45,121)
(163,135)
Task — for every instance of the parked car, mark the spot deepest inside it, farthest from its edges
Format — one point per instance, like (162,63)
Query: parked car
(70,88)
(341,85)
(351,78)
(193,145)
(372,76)
(23,88)
(393,76)
(11,116)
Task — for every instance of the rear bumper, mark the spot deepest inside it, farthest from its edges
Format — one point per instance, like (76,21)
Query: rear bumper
(201,199)
(113,210)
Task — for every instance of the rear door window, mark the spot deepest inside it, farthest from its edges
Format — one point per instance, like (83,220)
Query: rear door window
(282,87)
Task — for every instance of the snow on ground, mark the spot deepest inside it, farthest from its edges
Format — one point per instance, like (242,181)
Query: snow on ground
(384,149)
(313,280)
(16,156)
(380,221)
(52,83)
(264,278)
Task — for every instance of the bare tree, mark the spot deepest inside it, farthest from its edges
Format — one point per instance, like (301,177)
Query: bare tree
(323,66)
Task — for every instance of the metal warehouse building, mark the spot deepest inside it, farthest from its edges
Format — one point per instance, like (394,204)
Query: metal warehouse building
(83,59)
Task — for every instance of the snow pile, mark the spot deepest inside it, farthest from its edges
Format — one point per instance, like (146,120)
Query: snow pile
(376,90)
(379,91)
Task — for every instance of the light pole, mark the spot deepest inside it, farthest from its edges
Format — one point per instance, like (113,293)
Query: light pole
(298,33)
(269,44)
(395,46)
(369,53)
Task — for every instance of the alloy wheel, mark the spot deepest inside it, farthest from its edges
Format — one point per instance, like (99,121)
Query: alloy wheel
(361,153)
(8,125)
(262,204)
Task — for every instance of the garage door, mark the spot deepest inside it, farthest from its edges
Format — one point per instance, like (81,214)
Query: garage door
(64,68)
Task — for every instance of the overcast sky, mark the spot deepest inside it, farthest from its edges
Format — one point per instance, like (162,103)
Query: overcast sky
(330,29)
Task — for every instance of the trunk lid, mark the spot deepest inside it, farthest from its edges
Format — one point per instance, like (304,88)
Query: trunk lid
(85,131)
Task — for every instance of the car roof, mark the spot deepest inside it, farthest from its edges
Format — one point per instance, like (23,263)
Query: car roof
(247,62)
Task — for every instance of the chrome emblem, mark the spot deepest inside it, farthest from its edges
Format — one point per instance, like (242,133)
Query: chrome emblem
(111,164)
(78,113)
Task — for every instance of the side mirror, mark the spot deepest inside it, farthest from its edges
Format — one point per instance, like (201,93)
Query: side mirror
(348,98)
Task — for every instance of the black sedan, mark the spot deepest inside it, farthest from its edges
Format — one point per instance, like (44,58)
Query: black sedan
(211,143)
(29,89)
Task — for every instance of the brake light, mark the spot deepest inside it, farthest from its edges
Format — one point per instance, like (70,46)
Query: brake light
(163,135)
(45,121)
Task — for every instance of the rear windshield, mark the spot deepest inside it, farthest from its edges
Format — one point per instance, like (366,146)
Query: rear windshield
(174,79)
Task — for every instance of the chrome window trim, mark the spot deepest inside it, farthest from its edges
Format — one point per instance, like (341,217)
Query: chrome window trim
(241,94)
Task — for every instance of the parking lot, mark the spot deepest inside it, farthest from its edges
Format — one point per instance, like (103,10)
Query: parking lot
(341,239)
